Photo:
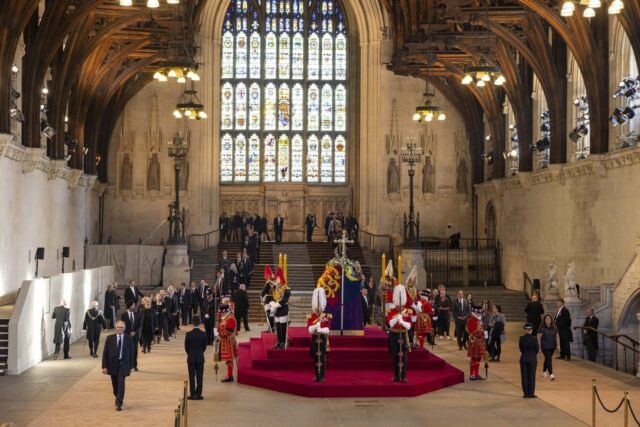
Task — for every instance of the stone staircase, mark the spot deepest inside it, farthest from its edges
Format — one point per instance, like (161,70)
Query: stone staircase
(204,265)
(4,346)
(511,302)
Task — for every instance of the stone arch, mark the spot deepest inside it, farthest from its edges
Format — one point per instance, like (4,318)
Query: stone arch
(366,18)
(490,221)
(628,321)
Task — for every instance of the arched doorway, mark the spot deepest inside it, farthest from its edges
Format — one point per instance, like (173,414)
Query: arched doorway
(490,222)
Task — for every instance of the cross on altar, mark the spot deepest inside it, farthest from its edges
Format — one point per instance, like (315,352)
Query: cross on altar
(343,246)
(343,260)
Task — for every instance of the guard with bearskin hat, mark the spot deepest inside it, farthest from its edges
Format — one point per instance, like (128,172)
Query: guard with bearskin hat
(280,309)
(476,347)
(387,284)
(398,323)
(424,323)
(319,326)
(226,348)
(267,296)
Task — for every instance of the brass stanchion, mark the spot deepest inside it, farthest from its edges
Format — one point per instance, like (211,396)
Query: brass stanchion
(186,408)
(593,402)
(626,409)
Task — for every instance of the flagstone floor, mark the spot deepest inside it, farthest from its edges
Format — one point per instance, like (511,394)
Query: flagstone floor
(75,393)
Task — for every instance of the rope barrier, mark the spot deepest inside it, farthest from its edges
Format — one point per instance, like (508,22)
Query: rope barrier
(624,401)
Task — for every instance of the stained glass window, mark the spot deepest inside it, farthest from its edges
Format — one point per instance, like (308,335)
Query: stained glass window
(284,68)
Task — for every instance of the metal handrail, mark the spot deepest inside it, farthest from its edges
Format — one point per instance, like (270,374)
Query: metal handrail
(206,237)
(613,339)
(392,248)
(618,336)
(527,284)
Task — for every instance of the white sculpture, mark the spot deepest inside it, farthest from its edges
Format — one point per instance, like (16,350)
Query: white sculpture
(570,278)
(552,278)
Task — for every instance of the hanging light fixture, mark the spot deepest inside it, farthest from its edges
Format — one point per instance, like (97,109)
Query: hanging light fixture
(190,106)
(126,2)
(615,7)
(153,4)
(589,13)
(483,74)
(568,7)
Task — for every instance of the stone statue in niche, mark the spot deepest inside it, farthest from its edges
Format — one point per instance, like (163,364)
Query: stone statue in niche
(183,176)
(126,172)
(393,177)
(153,174)
(552,278)
(428,176)
(570,279)
(461,179)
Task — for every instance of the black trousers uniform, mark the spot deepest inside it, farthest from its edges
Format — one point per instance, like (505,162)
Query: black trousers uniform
(118,382)
(319,355)
(65,346)
(398,348)
(196,371)
(528,377)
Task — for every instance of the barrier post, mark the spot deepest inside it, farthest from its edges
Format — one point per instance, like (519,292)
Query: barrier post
(593,402)
(626,409)
(186,407)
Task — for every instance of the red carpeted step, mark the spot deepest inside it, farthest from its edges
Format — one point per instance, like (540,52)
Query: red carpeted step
(355,367)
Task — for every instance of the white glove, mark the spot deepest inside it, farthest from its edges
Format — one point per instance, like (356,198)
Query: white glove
(206,316)
(405,325)
(215,332)
(486,335)
(435,318)
(324,331)
(313,328)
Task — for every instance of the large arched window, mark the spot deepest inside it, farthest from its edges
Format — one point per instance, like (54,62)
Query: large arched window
(284,92)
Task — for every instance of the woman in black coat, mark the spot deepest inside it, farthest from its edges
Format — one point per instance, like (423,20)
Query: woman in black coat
(94,322)
(148,325)
(111,306)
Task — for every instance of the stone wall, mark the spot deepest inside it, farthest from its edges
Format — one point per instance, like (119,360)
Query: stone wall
(585,212)
(43,203)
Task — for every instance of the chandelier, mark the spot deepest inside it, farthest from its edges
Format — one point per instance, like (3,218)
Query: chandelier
(568,7)
(151,4)
(483,74)
(190,106)
(181,72)
(427,111)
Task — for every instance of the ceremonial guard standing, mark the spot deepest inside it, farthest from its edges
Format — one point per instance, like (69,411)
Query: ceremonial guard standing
(319,325)
(476,348)
(412,298)
(388,283)
(226,347)
(280,309)
(399,322)
(267,296)
(424,324)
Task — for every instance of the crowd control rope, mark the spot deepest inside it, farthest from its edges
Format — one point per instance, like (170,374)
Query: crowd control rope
(633,414)
(607,409)
(625,403)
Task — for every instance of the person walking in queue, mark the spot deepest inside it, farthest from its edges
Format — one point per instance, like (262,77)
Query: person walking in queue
(528,361)
(590,336)
(94,322)
(549,340)
(195,344)
(278,226)
(209,316)
(461,310)
(111,305)
(185,304)
(131,319)
(241,309)
(117,360)
(366,311)
(148,325)
(132,294)
(563,323)
(497,322)
(534,310)
(62,329)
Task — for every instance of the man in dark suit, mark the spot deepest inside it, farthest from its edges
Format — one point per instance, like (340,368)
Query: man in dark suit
(590,336)
(202,296)
(131,294)
(185,304)
(131,319)
(534,311)
(278,226)
(528,361)
(62,329)
(461,310)
(563,323)
(241,310)
(364,300)
(117,360)
(195,343)
(209,310)
(225,263)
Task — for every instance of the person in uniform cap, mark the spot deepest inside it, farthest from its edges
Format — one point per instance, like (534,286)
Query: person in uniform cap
(280,309)
(528,361)
(387,284)
(398,323)
(267,296)
(424,324)
(476,349)
(94,322)
(319,326)
(226,347)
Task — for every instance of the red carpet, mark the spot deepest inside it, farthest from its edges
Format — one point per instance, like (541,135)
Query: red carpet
(356,367)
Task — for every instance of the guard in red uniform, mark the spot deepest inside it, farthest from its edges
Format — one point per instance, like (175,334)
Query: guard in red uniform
(319,326)
(424,324)
(476,346)
(226,347)
(398,323)
(280,310)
